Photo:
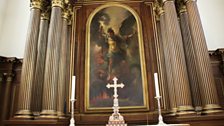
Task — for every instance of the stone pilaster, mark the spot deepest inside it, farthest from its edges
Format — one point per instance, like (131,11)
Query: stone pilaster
(179,69)
(7,97)
(40,63)
(167,57)
(52,62)
(63,65)
(190,58)
(207,82)
(29,62)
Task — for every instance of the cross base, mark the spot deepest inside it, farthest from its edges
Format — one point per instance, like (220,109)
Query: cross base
(116,120)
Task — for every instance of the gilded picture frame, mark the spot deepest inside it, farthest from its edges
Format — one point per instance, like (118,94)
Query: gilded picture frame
(114,48)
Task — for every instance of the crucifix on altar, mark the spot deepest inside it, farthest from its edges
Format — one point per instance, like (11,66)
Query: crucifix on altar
(116,119)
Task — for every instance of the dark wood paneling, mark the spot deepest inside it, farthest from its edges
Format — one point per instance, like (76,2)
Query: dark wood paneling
(145,13)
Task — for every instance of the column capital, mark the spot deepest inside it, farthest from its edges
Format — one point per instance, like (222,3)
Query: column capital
(160,11)
(9,76)
(67,12)
(186,1)
(45,16)
(163,1)
(65,15)
(182,9)
(36,4)
(1,77)
(57,3)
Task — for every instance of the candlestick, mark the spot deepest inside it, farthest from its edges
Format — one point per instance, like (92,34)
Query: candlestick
(156,84)
(73,88)
(72,120)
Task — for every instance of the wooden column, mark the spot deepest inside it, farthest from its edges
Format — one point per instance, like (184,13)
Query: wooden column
(63,64)
(161,67)
(207,82)
(68,66)
(1,82)
(29,62)
(167,57)
(72,54)
(52,62)
(7,97)
(40,63)
(190,58)
(221,53)
(179,70)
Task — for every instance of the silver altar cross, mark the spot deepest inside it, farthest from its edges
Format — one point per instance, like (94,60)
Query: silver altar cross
(115,86)
(116,119)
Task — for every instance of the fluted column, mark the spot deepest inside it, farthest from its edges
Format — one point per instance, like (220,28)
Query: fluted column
(207,82)
(68,64)
(29,62)
(190,58)
(161,67)
(179,70)
(1,81)
(63,65)
(167,57)
(73,51)
(221,53)
(52,62)
(40,64)
(7,97)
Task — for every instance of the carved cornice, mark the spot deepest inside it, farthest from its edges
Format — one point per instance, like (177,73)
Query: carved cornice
(10,60)
(220,52)
(91,2)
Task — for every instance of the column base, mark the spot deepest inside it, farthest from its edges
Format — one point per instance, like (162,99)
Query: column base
(198,110)
(23,114)
(212,108)
(48,115)
(173,112)
(61,115)
(185,110)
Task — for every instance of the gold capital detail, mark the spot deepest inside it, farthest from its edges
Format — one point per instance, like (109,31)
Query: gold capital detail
(183,9)
(186,1)
(57,3)
(45,16)
(36,4)
(66,14)
(163,1)
(160,11)
(9,76)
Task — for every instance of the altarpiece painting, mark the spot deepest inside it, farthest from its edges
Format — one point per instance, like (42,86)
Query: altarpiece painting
(115,49)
